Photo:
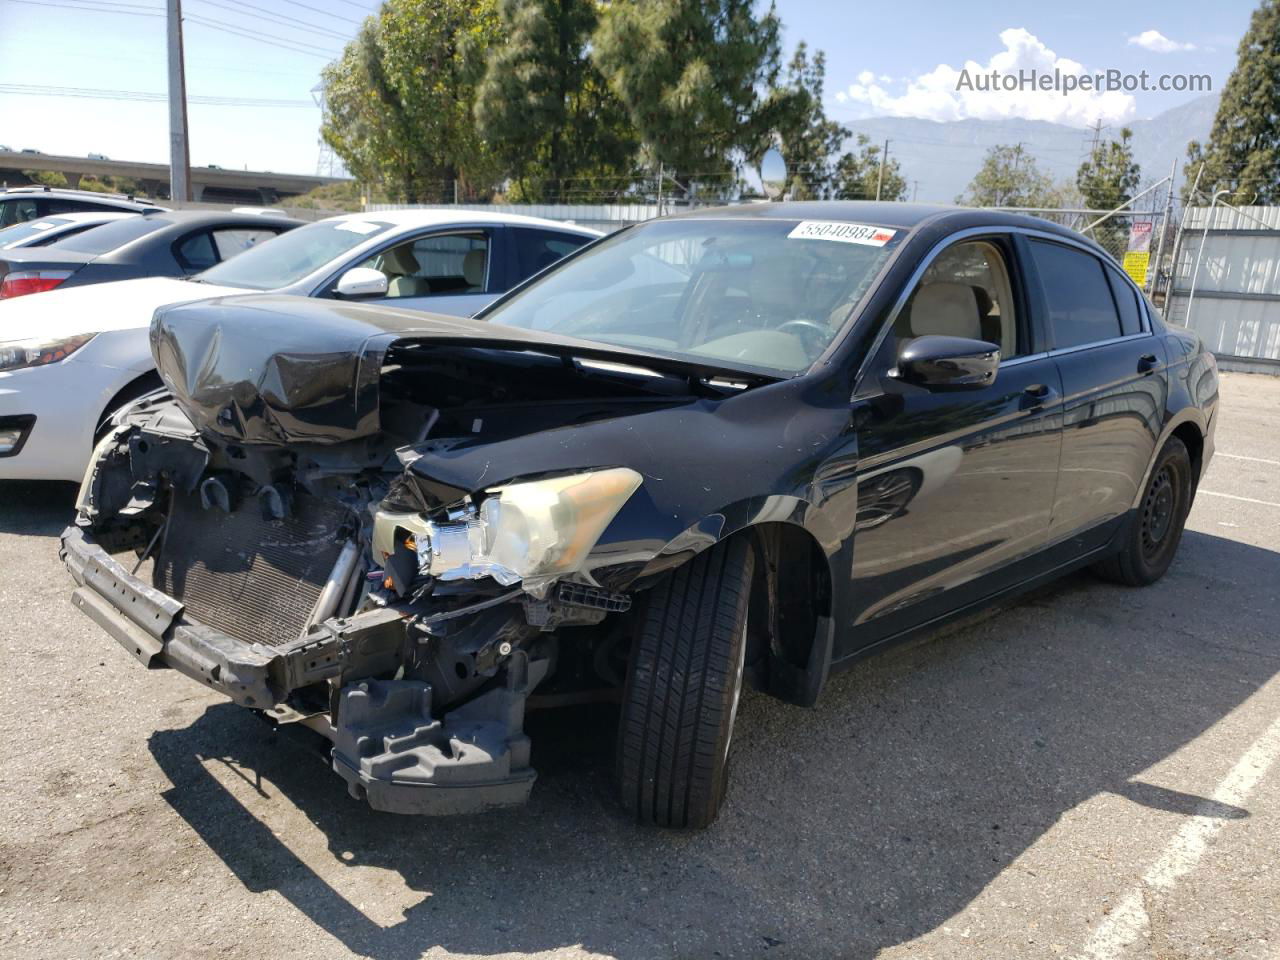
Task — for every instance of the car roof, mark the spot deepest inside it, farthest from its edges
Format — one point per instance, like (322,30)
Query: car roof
(442,216)
(118,200)
(88,216)
(906,216)
(198,218)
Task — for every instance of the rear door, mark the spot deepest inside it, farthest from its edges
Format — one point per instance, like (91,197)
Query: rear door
(1112,370)
(955,487)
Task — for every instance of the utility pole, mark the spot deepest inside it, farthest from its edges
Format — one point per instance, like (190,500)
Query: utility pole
(1165,221)
(915,188)
(179,153)
(884,156)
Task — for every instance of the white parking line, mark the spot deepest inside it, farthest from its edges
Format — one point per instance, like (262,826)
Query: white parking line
(1237,456)
(1232,496)
(1128,922)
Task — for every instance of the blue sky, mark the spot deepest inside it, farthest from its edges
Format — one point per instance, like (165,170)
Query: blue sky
(896,58)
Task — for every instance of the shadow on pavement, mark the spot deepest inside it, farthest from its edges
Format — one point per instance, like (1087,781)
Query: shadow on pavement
(40,508)
(864,823)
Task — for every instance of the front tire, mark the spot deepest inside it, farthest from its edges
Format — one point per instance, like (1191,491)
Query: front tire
(684,680)
(1152,539)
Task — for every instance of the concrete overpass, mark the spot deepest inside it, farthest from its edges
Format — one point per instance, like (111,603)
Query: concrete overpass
(208,184)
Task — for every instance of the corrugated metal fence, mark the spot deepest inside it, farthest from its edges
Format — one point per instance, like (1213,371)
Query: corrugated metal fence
(1226,284)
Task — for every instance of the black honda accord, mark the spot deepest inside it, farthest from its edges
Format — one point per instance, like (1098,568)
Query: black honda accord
(742,445)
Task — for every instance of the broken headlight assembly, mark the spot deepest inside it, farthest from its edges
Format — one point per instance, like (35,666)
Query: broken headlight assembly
(528,533)
(36,353)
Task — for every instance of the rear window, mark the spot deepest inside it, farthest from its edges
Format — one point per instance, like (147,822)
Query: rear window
(32,228)
(110,236)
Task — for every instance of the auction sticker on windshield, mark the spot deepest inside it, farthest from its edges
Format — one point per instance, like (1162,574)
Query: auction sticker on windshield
(841,232)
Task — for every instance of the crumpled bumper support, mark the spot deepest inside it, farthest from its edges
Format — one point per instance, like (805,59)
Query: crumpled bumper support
(387,745)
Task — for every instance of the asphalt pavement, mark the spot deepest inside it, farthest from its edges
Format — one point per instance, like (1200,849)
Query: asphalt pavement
(1090,772)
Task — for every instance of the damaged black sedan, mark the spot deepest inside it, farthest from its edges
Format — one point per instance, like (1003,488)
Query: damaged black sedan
(746,445)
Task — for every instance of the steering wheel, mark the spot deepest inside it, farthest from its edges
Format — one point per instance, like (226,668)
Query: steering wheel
(812,334)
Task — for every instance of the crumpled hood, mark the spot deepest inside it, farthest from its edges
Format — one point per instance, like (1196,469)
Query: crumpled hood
(279,369)
(97,307)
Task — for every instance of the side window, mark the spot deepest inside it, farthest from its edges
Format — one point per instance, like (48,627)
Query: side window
(1126,304)
(229,242)
(1081,308)
(63,205)
(539,249)
(196,252)
(17,211)
(965,292)
(435,265)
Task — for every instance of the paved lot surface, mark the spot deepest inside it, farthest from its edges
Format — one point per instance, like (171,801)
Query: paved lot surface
(1087,774)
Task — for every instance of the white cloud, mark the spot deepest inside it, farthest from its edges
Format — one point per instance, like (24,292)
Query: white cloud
(1157,42)
(933,95)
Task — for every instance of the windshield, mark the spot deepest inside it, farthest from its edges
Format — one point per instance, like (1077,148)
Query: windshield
(109,236)
(32,228)
(760,294)
(293,255)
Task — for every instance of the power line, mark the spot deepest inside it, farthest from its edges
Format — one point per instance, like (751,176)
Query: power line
(277,19)
(294,46)
(254,33)
(89,9)
(326,13)
(144,96)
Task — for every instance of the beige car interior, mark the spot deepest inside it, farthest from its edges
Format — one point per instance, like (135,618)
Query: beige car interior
(401,267)
(966,293)
(473,270)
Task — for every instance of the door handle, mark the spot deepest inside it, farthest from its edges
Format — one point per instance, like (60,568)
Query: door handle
(1147,363)
(1035,395)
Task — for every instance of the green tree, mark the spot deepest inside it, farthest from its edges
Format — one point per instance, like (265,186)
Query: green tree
(1110,176)
(1243,152)
(692,76)
(542,105)
(793,113)
(1105,181)
(400,98)
(858,173)
(1009,177)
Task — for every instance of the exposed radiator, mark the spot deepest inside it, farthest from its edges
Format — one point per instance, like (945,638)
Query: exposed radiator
(256,580)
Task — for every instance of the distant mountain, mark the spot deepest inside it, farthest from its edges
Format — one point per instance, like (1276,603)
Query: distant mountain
(943,157)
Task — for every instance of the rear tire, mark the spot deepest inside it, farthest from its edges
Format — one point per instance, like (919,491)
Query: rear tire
(1152,539)
(684,679)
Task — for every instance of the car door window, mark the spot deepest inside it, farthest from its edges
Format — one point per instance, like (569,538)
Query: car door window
(539,249)
(1081,307)
(965,292)
(17,211)
(435,265)
(1126,303)
(230,242)
(196,252)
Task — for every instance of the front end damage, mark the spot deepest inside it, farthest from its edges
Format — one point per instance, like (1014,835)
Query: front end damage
(307,521)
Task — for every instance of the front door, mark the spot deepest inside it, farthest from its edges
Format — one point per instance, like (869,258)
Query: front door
(955,487)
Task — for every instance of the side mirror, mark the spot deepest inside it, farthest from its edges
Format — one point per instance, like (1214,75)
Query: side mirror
(948,363)
(362,282)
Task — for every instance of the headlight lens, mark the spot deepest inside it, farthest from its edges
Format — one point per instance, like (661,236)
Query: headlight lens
(37,353)
(524,532)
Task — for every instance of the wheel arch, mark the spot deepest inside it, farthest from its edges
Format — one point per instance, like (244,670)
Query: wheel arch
(139,386)
(795,553)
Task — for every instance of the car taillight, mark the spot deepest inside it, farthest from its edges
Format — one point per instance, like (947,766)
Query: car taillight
(22,282)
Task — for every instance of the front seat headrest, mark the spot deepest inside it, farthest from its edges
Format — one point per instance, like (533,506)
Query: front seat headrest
(473,268)
(400,260)
(946,309)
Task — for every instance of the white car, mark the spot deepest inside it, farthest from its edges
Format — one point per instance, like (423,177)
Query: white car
(70,358)
(47,230)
